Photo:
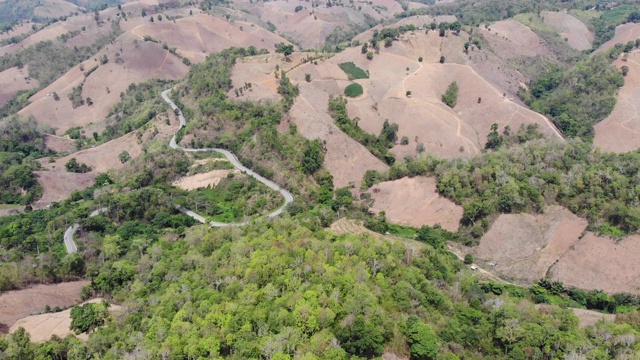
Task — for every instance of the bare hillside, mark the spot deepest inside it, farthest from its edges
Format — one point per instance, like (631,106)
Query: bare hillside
(568,27)
(620,131)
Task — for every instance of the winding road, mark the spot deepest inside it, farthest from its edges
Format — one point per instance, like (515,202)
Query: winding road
(288,197)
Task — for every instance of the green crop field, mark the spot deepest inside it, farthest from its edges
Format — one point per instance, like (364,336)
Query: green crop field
(353,90)
(352,71)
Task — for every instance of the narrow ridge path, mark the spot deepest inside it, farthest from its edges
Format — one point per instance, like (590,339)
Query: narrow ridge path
(288,197)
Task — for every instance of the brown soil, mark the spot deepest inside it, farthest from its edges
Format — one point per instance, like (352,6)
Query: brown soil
(20,303)
(415,202)
(568,27)
(59,144)
(599,262)
(198,35)
(14,80)
(42,327)
(522,247)
(589,317)
(211,178)
(138,63)
(620,131)
(101,158)
(511,39)
(58,186)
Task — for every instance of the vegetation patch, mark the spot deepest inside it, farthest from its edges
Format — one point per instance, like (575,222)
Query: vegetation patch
(378,145)
(352,71)
(353,90)
(234,199)
(578,97)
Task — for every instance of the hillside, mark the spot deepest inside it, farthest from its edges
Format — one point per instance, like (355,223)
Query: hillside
(295,180)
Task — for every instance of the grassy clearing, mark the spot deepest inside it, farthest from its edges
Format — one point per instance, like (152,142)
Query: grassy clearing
(353,90)
(352,71)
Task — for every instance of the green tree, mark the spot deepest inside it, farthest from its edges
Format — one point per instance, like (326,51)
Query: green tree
(450,97)
(124,156)
(88,317)
(284,49)
(422,341)
(362,338)
(313,156)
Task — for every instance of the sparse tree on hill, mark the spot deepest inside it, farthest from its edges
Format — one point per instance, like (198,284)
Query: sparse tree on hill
(151,19)
(124,156)
(450,97)
(442,59)
(284,49)
(369,55)
(625,70)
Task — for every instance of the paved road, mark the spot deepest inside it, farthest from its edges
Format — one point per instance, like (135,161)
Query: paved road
(288,197)
(68,235)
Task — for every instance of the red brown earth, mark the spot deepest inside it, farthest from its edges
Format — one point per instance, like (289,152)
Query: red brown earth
(14,80)
(415,202)
(568,27)
(600,262)
(522,247)
(620,131)
(32,300)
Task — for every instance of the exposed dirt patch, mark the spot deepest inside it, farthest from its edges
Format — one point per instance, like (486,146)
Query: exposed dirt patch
(620,131)
(42,327)
(589,317)
(599,262)
(211,178)
(14,80)
(58,186)
(522,247)
(415,202)
(59,144)
(568,27)
(20,303)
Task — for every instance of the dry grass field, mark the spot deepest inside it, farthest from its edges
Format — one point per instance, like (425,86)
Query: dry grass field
(568,27)
(600,262)
(620,131)
(17,304)
(415,202)
(42,327)
(14,80)
(522,247)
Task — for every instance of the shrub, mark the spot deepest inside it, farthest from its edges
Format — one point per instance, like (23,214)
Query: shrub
(353,90)
(450,97)
(352,71)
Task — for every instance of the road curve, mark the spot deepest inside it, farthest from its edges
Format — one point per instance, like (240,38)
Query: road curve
(288,197)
